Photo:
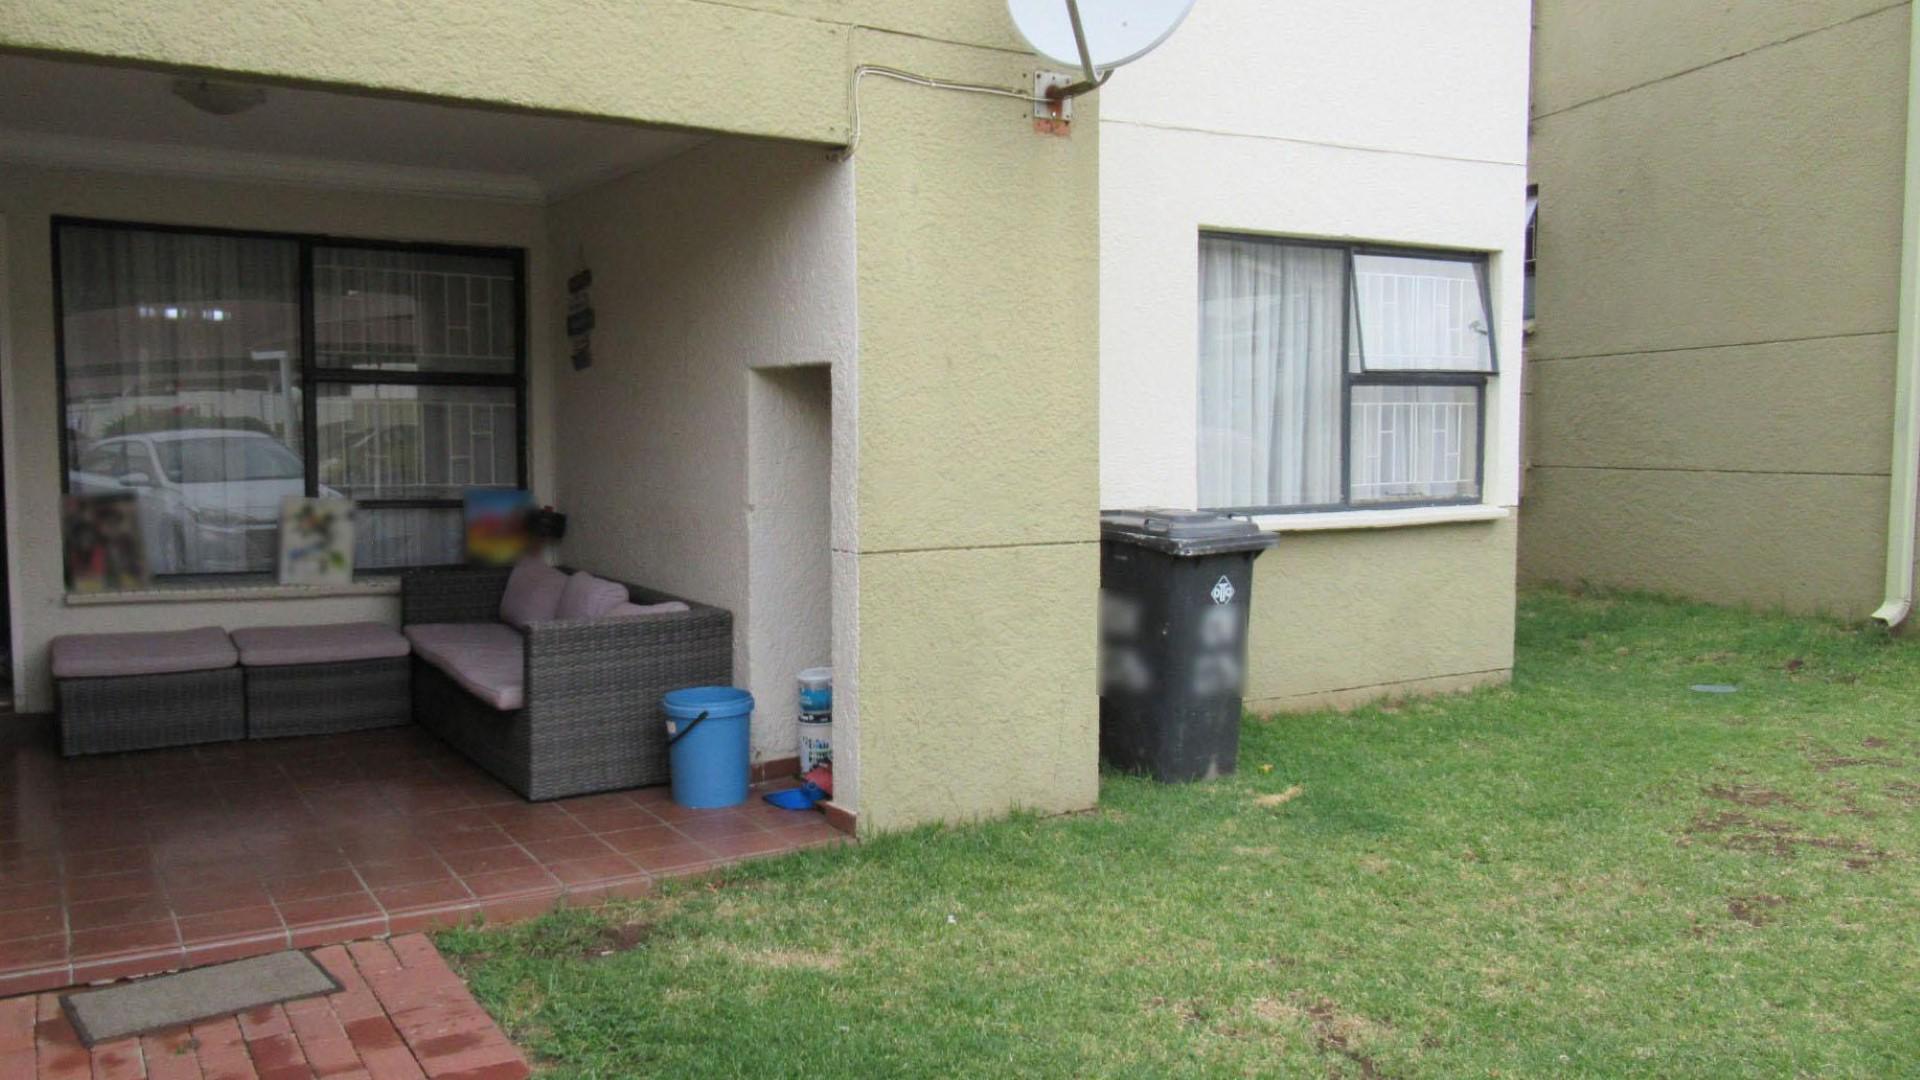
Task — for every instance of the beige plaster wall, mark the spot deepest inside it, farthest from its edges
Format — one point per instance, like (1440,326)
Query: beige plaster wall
(978,447)
(1710,382)
(1432,611)
(733,256)
(28,388)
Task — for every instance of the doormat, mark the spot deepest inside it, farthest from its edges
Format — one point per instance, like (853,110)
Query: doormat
(166,1001)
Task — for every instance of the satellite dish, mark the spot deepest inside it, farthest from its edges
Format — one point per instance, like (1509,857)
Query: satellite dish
(1117,31)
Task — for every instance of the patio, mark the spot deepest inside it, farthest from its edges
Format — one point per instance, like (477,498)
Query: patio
(131,864)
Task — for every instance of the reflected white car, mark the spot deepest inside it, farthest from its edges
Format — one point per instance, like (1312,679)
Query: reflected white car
(209,497)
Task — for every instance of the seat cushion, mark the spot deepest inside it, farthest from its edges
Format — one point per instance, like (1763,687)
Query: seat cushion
(334,643)
(488,660)
(158,652)
(533,593)
(589,597)
(625,610)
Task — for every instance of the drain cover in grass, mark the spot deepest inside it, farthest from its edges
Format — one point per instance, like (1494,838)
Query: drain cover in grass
(166,1001)
(1713,688)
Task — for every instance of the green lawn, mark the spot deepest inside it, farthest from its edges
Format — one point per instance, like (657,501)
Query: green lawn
(1596,871)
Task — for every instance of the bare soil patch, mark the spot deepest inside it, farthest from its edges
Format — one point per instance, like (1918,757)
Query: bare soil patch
(1751,795)
(1754,910)
(1781,839)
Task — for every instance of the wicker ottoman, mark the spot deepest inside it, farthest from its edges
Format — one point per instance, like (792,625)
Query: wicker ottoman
(144,690)
(319,680)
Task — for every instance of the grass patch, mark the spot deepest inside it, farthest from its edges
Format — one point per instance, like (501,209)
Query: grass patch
(1594,871)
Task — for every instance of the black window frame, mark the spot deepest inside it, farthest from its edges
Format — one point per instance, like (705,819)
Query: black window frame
(312,375)
(1350,378)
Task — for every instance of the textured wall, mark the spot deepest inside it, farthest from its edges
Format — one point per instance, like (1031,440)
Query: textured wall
(725,67)
(734,255)
(789,527)
(1710,382)
(1342,617)
(28,197)
(978,449)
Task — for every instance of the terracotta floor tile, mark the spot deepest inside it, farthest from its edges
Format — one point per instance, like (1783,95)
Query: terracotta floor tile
(468,840)
(489,860)
(236,923)
(671,856)
(615,818)
(380,875)
(314,886)
(430,894)
(185,902)
(23,954)
(112,886)
(131,938)
(607,867)
(96,914)
(32,922)
(747,844)
(653,836)
(510,882)
(710,828)
(82,864)
(565,848)
(329,909)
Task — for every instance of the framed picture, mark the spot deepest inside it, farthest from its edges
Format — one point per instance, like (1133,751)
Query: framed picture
(316,541)
(497,525)
(104,548)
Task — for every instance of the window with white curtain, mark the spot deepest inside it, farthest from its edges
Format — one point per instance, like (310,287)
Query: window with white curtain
(212,373)
(1336,376)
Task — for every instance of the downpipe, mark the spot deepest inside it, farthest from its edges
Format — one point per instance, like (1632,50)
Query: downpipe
(1904,500)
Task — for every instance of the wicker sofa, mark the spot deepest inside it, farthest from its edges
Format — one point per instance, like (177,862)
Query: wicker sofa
(588,717)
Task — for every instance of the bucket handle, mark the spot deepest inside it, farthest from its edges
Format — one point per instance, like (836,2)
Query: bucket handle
(682,733)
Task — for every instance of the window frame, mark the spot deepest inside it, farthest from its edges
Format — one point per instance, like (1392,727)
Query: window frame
(312,376)
(1349,377)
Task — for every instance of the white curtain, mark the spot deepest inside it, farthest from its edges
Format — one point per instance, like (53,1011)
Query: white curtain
(1270,373)
(169,324)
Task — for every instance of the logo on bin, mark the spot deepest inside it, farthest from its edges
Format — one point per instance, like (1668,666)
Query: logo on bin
(1223,591)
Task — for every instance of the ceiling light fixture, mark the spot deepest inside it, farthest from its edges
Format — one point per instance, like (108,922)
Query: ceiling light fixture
(218,98)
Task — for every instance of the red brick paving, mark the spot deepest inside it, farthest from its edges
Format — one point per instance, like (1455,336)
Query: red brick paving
(130,864)
(402,1015)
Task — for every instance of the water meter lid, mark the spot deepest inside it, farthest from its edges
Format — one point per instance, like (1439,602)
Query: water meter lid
(1184,533)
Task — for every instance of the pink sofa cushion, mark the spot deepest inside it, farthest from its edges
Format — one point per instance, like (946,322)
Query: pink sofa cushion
(162,652)
(589,597)
(488,660)
(624,610)
(334,643)
(533,593)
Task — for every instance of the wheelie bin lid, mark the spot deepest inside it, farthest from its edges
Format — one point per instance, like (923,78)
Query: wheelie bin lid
(1184,533)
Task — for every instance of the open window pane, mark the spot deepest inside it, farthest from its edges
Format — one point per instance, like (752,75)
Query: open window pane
(1421,314)
(181,363)
(416,442)
(1415,443)
(1271,320)
(387,310)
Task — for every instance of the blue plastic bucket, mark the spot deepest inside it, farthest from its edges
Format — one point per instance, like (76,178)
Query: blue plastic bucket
(709,758)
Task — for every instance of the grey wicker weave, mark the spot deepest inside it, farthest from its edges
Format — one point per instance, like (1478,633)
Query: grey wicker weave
(141,712)
(322,699)
(592,719)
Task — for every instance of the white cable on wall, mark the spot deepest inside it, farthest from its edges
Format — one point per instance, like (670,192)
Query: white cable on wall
(853,95)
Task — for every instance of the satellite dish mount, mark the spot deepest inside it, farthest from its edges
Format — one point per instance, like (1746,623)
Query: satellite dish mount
(1091,79)
(1107,34)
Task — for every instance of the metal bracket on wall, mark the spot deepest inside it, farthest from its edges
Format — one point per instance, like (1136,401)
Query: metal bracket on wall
(1049,102)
